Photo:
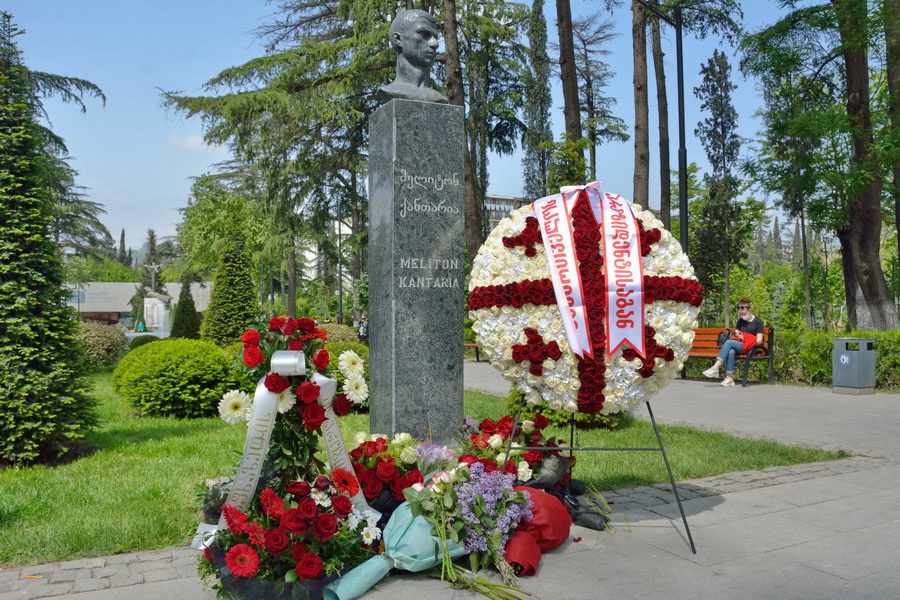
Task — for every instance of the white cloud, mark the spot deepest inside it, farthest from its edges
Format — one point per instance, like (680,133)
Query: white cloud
(195,143)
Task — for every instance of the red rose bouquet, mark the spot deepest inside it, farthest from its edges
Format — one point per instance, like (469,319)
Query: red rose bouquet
(295,436)
(384,467)
(310,532)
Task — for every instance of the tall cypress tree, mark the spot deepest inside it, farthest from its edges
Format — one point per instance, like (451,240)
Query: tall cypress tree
(233,305)
(121,256)
(43,402)
(536,161)
(185,320)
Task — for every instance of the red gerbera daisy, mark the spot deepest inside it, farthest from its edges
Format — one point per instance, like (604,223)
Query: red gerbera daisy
(242,560)
(345,482)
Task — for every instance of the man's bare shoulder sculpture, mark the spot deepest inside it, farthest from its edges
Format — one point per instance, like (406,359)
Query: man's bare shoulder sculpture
(414,36)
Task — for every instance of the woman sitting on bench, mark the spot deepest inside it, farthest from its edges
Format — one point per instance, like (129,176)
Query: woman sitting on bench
(748,332)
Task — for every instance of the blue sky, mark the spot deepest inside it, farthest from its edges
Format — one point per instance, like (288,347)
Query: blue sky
(137,158)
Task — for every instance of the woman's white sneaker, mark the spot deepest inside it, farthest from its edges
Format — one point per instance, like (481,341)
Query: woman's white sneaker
(711,373)
(727,382)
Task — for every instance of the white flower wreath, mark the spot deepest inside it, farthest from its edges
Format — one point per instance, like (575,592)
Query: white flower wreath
(499,328)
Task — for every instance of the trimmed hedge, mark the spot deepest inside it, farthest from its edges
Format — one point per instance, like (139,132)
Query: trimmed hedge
(138,341)
(176,377)
(101,345)
(340,333)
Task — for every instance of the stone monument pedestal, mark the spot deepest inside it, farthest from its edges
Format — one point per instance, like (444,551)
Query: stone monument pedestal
(416,275)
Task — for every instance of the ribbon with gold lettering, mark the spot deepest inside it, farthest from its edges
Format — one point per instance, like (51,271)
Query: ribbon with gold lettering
(335,448)
(624,272)
(256,446)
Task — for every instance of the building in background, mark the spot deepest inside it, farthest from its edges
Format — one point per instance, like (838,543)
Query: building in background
(107,302)
(497,208)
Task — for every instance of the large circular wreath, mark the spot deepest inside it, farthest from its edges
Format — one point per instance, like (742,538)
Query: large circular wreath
(518,324)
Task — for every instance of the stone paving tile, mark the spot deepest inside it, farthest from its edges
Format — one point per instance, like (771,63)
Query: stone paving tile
(123,580)
(70,575)
(90,585)
(150,565)
(161,574)
(84,563)
(48,591)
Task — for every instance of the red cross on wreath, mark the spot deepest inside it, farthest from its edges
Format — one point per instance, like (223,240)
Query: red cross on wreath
(587,237)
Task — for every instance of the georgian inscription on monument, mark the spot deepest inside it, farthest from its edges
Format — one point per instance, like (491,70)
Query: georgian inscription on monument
(438,272)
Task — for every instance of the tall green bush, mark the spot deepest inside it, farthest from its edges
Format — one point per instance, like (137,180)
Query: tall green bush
(185,320)
(176,377)
(43,399)
(340,333)
(233,305)
(100,344)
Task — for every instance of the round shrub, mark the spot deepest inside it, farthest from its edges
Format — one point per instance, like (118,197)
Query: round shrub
(559,418)
(100,344)
(340,333)
(140,340)
(175,377)
(335,349)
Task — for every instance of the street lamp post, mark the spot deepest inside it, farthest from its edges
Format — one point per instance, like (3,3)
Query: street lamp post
(682,150)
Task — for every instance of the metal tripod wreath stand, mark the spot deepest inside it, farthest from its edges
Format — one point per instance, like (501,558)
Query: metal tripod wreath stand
(571,448)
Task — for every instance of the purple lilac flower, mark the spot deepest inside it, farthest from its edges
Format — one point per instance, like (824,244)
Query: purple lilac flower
(494,489)
(470,422)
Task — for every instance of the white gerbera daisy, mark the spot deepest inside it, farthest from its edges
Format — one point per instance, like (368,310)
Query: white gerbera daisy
(286,401)
(321,497)
(350,364)
(356,389)
(234,406)
(370,535)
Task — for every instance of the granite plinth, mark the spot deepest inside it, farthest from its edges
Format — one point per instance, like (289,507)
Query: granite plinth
(416,276)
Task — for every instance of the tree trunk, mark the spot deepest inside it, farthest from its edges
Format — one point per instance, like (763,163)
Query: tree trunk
(662,108)
(592,129)
(291,300)
(567,71)
(805,253)
(474,230)
(641,192)
(892,46)
(850,285)
(726,307)
(865,210)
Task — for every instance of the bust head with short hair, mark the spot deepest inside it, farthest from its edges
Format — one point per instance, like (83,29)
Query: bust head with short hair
(414,37)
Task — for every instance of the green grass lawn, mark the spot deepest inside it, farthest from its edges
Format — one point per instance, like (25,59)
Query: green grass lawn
(137,491)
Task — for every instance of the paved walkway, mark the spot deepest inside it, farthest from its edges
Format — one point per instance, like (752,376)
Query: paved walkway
(817,531)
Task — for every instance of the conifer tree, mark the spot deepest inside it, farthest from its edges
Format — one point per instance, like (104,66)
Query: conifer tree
(185,320)
(233,305)
(43,400)
(121,256)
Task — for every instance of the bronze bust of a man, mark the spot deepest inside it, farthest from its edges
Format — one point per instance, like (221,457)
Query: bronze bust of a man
(414,36)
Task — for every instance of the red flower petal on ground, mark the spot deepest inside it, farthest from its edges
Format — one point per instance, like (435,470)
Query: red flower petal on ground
(345,481)
(242,560)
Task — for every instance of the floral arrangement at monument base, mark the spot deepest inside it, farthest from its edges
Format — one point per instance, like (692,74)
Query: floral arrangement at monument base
(303,539)
(584,301)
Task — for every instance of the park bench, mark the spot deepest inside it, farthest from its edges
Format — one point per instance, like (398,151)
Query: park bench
(470,343)
(706,346)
